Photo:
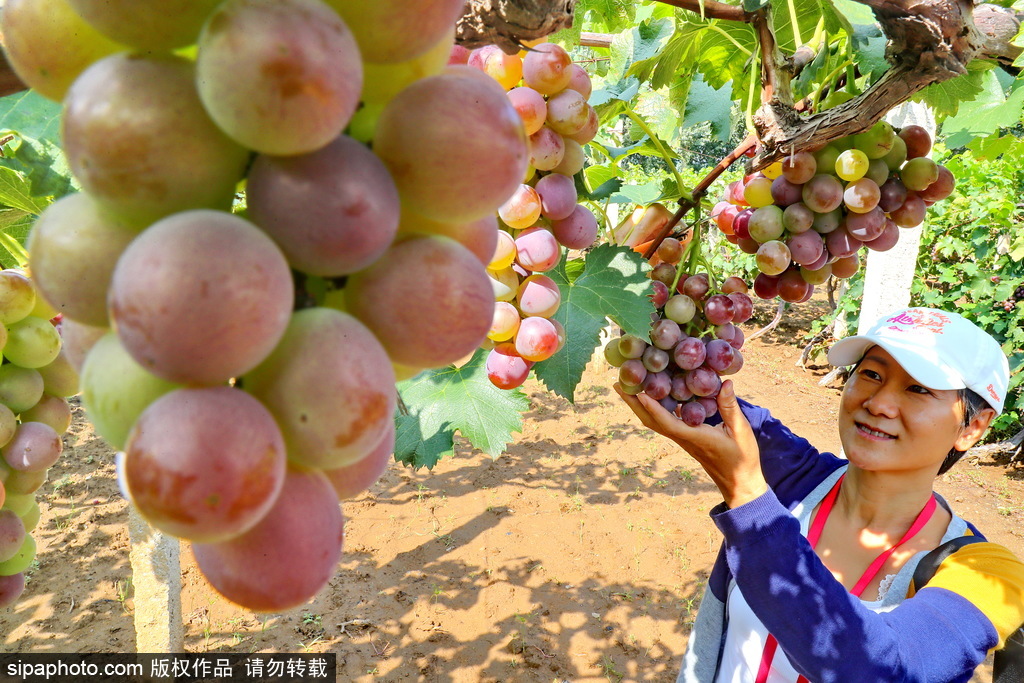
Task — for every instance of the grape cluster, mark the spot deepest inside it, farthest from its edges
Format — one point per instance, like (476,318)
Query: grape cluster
(542,216)
(35,380)
(242,351)
(807,217)
(1010,303)
(694,340)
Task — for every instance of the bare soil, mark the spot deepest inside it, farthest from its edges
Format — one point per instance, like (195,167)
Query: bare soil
(579,555)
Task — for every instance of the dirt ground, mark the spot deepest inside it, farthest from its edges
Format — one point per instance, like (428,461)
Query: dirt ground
(580,555)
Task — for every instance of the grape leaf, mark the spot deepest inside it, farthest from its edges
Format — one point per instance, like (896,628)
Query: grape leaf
(43,164)
(986,114)
(449,399)
(705,103)
(614,284)
(32,115)
(725,52)
(945,97)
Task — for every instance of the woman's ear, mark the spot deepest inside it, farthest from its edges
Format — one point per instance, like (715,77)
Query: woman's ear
(973,432)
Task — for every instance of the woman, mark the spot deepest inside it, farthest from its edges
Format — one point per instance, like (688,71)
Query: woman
(813,581)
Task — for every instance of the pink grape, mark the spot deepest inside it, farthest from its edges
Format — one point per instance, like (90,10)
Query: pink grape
(557,196)
(576,231)
(589,130)
(665,334)
(573,158)
(841,243)
(51,410)
(392,31)
(695,286)
(458,55)
(693,414)
(817,275)
(743,307)
(805,247)
(719,355)
(825,223)
(941,188)
(201,297)
(279,76)
(726,331)
(659,297)
(539,295)
(846,267)
(11,588)
(892,194)
(886,239)
(689,353)
(766,286)
(785,192)
(330,386)
(148,25)
(799,168)
(797,218)
(704,381)
(632,372)
(670,404)
(351,480)
(861,195)
(12,534)
(737,340)
(792,286)
(547,68)
(332,212)
(657,385)
(537,339)
(747,245)
(447,301)
(724,214)
(866,226)
(911,213)
(537,250)
(579,80)
(773,257)
(480,236)
(546,149)
(719,309)
(567,112)
(288,556)
(429,129)
(205,464)
(709,403)
(140,142)
(505,367)
(522,209)
(822,193)
(734,284)
(918,141)
(737,363)
(655,359)
(680,391)
(35,447)
(78,340)
(664,273)
(531,107)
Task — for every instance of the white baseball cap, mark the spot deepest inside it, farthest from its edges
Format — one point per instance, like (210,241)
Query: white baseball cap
(940,350)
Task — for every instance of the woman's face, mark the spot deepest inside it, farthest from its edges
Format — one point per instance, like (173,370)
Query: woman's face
(889,422)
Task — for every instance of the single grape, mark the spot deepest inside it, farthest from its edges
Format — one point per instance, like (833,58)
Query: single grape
(288,556)
(546,149)
(866,226)
(612,353)
(670,250)
(773,257)
(504,283)
(539,295)
(719,355)
(892,194)
(886,239)
(507,70)
(557,194)
(766,224)
(941,188)
(657,385)
(659,297)
(792,286)
(51,410)
(737,363)
(504,252)
(918,173)
(799,168)
(695,286)
(825,159)
(537,339)
(35,447)
(911,213)
(633,372)
(758,192)
(741,224)
(579,81)
(567,112)
(852,165)
(537,250)
(655,360)
(822,193)
(547,69)
(32,343)
(825,223)
(878,172)
(12,534)
(505,367)
(589,131)
(664,273)
(350,481)
(394,30)
(680,308)
(573,158)
(743,307)
(719,309)
(876,141)
(665,334)
(918,141)
(693,414)
(766,286)
(846,267)
(797,218)
(841,243)
(861,195)
(785,193)
(680,391)
(447,301)
(332,212)
(703,381)
(734,284)
(897,155)
(689,353)
(631,346)
(806,247)
(531,106)
(522,209)
(816,276)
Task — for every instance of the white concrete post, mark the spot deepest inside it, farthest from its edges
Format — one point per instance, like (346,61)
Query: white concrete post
(889,274)
(156,577)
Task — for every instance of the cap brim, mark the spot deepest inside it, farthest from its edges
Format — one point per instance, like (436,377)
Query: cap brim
(920,362)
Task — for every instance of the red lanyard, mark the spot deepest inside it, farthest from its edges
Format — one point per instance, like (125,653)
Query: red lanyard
(813,534)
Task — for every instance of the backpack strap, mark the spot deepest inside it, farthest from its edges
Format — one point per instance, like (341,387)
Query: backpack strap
(1009,661)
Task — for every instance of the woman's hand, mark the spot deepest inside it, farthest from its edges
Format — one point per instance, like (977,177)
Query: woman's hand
(728,452)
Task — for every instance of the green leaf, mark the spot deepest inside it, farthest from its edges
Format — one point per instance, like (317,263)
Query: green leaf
(754,5)
(726,48)
(16,192)
(708,104)
(449,399)
(649,40)
(31,115)
(945,97)
(604,179)
(984,115)
(43,163)
(623,91)
(613,284)
(638,194)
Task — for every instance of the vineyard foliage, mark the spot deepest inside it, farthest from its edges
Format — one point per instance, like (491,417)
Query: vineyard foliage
(676,92)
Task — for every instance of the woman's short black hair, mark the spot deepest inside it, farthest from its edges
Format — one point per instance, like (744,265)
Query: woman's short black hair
(973,404)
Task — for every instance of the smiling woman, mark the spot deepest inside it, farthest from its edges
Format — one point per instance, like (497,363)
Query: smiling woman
(814,581)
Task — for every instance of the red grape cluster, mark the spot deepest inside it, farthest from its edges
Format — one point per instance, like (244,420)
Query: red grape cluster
(694,340)
(807,217)
(550,94)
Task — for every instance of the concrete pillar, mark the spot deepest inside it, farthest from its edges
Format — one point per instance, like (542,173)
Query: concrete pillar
(156,577)
(888,275)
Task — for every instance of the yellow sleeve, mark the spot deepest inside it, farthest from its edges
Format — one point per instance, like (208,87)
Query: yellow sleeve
(992,578)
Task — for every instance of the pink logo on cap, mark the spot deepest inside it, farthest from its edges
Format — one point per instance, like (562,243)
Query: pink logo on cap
(919,319)
(992,392)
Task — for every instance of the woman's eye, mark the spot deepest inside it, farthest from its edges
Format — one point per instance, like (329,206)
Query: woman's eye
(918,389)
(870,374)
